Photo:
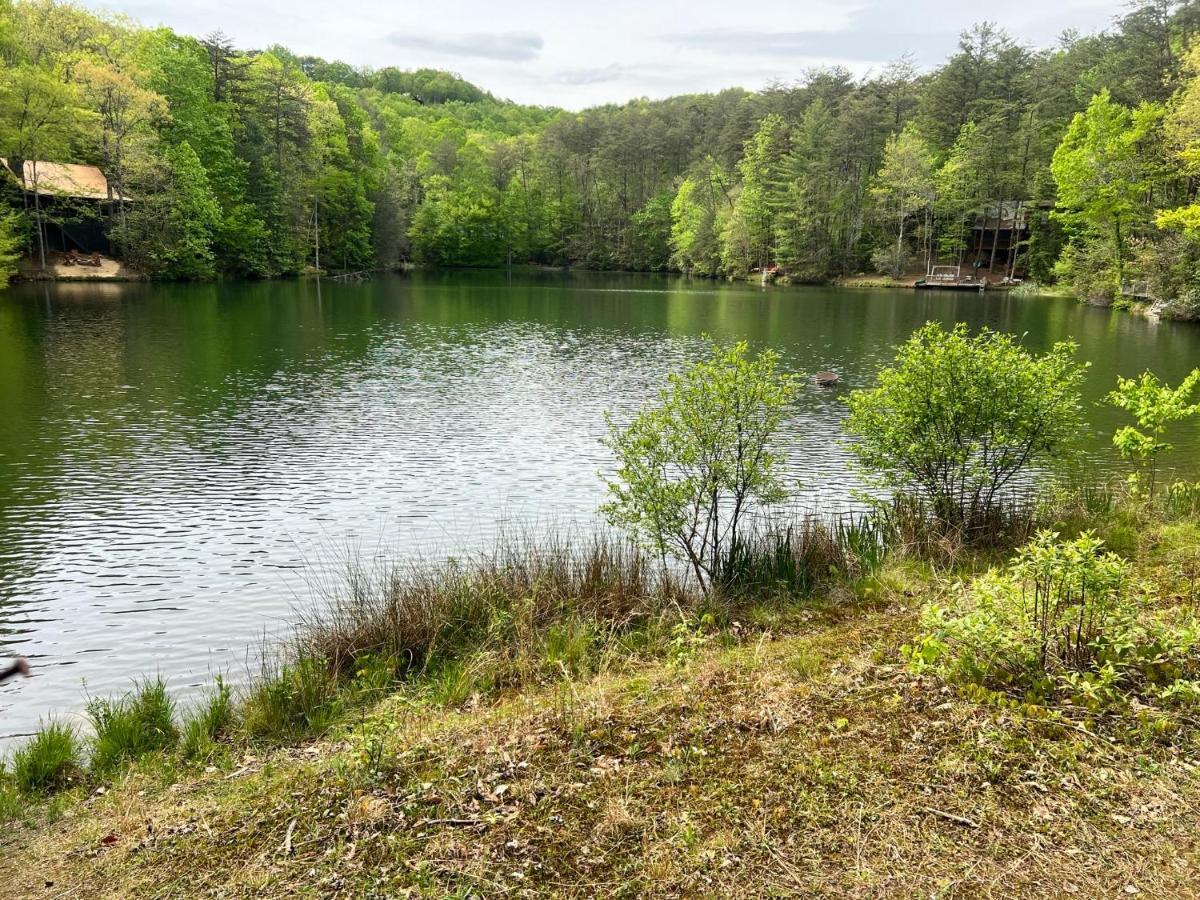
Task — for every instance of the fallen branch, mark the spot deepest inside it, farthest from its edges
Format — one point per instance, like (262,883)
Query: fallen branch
(287,838)
(951,817)
(462,823)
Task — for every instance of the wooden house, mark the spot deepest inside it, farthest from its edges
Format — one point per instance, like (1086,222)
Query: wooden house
(1002,227)
(75,201)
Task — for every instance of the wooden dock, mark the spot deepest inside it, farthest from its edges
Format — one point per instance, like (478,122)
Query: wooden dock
(950,278)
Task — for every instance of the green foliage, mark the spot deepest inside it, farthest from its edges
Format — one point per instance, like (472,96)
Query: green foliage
(1063,620)
(697,211)
(49,761)
(749,235)
(650,235)
(903,186)
(694,468)
(688,639)
(1103,168)
(450,684)
(171,233)
(300,699)
(822,178)
(1153,405)
(128,728)
(11,239)
(207,724)
(959,421)
(567,648)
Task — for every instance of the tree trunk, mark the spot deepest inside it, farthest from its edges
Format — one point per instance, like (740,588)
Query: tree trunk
(996,236)
(41,226)
(1014,248)
(1120,247)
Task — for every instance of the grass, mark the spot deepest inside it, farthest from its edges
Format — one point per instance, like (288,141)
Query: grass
(49,761)
(732,775)
(128,728)
(213,720)
(558,718)
(526,614)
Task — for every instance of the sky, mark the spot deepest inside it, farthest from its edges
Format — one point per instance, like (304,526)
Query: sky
(576,55)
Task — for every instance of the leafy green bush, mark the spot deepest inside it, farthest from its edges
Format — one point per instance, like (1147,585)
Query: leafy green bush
(1062,620)
(694,468)
(49,761)
(1153,405)
(958,421)
(139,723)
(11,238)
(1185,307)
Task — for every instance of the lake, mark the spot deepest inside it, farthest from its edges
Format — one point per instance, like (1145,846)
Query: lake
(180,465)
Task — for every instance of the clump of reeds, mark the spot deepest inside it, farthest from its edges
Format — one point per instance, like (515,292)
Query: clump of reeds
(415,614)
(141,722)
(49,761)
(909,525)
(210,722)
(795,560)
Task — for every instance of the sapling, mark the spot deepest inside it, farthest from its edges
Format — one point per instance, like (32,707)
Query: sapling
(693,468)
(1154,404)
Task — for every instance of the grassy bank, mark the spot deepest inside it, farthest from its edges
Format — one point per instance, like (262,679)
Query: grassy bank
(566,720)
(524,614)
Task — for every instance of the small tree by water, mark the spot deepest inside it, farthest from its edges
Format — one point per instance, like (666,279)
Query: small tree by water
(694,467)
(957,420)
(1154,405)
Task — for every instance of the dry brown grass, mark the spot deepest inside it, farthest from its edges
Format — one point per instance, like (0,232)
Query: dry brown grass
(731,776)
(411,613)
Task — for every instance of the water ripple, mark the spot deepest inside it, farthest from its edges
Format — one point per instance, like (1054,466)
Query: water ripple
(179,464)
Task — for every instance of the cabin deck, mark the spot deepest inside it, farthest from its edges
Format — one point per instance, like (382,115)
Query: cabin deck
(950,278)
(959,284)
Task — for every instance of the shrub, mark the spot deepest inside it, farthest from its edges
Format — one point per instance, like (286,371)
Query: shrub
(693,469)
(1153,405)
(958,421)
(1185,307)
(1091,271)
(49,761)
(139,723)
(888,260)
(1060,620)
(11,238)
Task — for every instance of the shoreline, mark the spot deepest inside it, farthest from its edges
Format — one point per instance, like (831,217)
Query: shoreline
(603,722)
(1151,310)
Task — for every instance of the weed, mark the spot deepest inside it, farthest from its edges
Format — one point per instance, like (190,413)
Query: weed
(140,722)
(48,762)
(210,722)
(296,700)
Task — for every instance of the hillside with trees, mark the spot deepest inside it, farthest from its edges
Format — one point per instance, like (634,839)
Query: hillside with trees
(225,160)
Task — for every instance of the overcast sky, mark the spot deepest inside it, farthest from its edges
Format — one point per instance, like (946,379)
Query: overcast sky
(612,50)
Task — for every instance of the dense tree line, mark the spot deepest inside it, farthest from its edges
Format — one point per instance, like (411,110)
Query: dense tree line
(227,160)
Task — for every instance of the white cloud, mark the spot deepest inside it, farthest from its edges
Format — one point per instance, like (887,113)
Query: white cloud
(510,46)
(550,52)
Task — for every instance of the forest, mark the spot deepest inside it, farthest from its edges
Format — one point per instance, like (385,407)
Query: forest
(230,161)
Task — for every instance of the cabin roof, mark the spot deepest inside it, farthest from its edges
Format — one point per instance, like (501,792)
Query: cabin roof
(61,179)
(1013,214)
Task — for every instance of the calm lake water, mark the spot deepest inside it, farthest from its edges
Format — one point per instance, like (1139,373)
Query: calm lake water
(179,463)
